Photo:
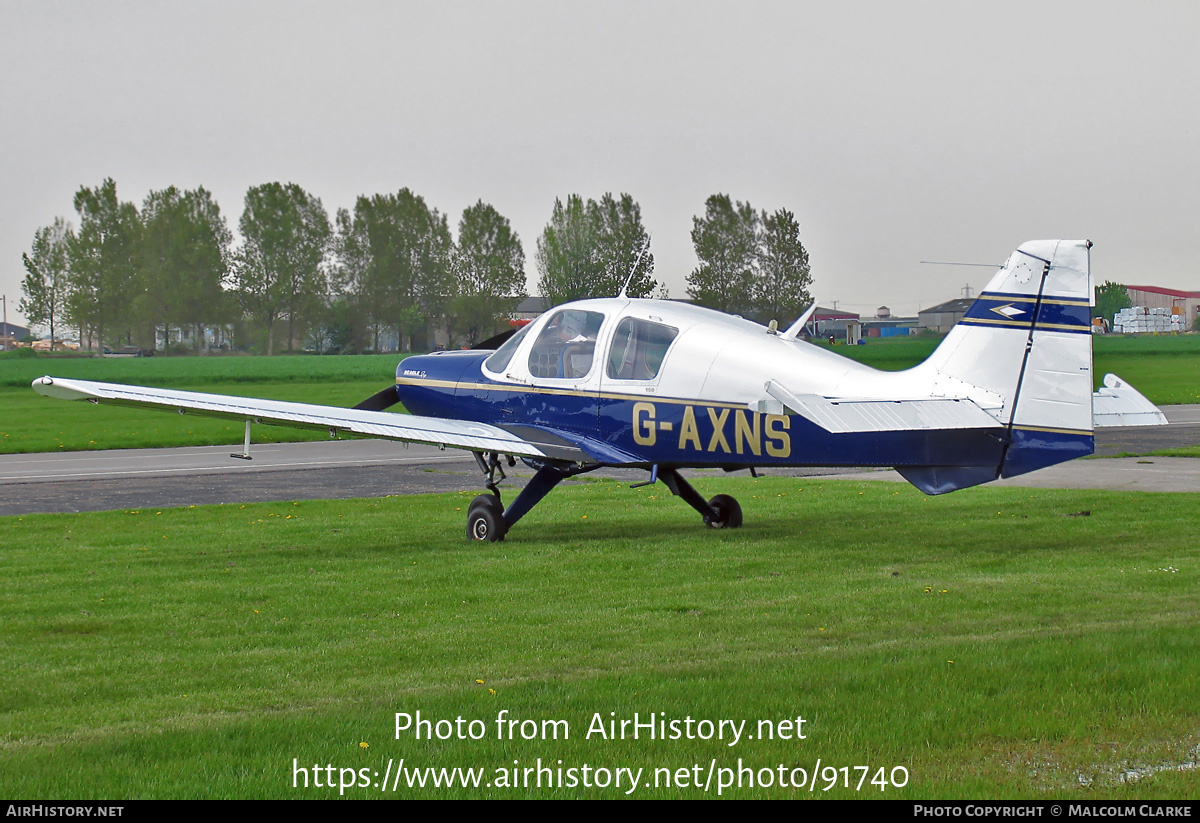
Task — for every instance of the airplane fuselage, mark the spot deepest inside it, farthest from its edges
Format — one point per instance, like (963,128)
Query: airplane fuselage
(705,404)
(676,431)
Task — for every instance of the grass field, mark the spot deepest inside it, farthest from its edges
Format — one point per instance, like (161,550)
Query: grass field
(994,642)
(32,423)
(1166,369)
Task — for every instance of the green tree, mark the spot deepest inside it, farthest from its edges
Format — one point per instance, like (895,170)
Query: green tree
(47,276)
(279,271)
(364,258)
(623,243)
(183,261)
(781,288)
(1110,299)
(568,259)
(102,263)
(394,260)
(588,249)
(727,241)
(428,277)
(489,270)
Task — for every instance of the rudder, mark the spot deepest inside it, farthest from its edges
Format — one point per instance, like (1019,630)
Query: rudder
(1023,352)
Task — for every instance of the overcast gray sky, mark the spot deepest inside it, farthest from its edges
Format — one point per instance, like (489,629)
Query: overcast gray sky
(896,132)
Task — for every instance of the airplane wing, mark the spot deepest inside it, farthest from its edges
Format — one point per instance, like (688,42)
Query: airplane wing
(435,431)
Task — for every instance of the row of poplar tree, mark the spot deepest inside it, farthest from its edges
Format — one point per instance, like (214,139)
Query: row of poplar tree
(388,269)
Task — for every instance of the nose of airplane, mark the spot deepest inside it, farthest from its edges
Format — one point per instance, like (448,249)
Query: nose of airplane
(427,383)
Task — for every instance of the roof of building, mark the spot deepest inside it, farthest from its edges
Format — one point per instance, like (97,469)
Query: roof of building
(532,304)
(955,305)
(833,314)
(1167,292)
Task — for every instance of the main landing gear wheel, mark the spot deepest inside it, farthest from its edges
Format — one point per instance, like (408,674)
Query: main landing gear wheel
(485,519)
(728,513)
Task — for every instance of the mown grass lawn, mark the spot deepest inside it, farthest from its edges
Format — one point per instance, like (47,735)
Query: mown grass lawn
(993,642)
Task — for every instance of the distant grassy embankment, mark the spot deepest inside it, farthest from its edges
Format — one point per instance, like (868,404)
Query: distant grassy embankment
(181,372)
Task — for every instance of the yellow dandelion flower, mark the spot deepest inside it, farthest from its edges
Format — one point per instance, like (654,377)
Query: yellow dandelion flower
(480,682)
(364,745)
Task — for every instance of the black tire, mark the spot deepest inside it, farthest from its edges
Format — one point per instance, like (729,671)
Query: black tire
(728,513)
(485,519)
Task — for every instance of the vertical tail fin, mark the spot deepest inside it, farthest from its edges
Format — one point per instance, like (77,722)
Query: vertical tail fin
(1024,352)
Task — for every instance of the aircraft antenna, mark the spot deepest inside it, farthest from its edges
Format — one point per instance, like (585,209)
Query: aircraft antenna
(794,330)
(633,270)
(945,263)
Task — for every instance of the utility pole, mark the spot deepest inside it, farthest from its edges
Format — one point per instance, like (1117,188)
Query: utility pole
(4,300)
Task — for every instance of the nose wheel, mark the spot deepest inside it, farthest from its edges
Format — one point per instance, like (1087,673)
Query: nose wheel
(485,519)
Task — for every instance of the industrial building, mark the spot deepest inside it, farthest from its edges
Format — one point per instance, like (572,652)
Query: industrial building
(942,317)
(11,335)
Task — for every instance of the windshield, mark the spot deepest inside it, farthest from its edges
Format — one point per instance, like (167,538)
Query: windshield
(499,361)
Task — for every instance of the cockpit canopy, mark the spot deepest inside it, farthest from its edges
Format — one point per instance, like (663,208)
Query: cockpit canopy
(568,340)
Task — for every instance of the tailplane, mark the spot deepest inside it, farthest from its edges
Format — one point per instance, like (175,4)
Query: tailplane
(1023,353)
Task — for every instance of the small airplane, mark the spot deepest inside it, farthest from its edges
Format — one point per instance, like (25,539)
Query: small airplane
(661,386)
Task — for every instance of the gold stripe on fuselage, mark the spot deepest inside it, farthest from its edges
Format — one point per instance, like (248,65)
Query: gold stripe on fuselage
(521,388)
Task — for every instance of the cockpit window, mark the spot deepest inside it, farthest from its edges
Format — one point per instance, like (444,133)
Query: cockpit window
(499,360)
(638,349)
(567,345)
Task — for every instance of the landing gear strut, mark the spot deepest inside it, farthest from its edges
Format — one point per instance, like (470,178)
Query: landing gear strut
(722,512)
(487,519)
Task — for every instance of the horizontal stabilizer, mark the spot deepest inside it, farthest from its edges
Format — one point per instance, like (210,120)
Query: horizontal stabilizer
(844,416)
(1120,404)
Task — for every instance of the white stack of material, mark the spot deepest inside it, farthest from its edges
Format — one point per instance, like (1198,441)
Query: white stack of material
(1143,320)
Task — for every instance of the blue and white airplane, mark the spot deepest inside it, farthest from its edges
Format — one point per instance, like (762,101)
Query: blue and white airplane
(662,386)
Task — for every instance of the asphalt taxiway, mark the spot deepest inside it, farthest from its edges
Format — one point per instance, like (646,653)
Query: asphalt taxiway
(137,478)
